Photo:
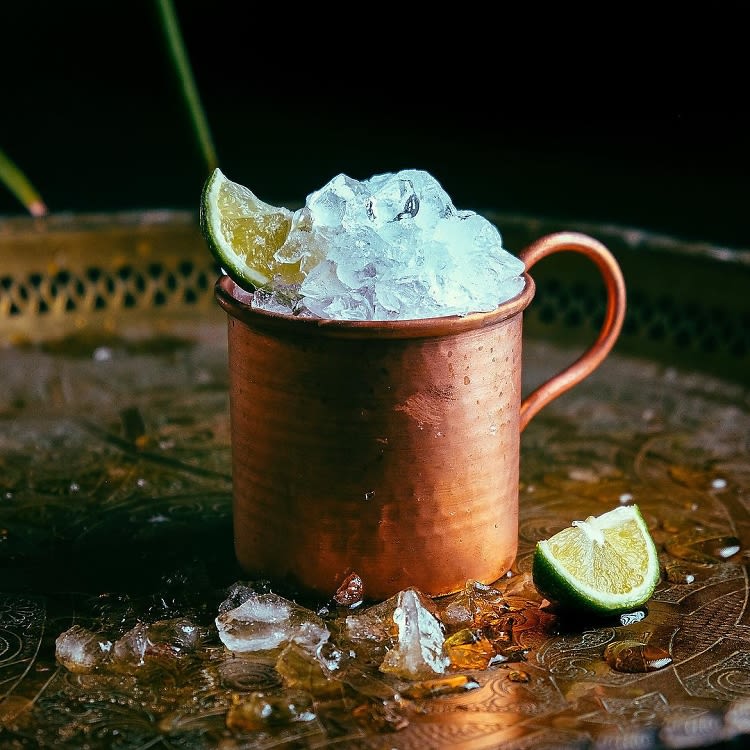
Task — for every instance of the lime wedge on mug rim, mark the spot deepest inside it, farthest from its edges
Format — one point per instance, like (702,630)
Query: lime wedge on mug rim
(604,565)
(243,232)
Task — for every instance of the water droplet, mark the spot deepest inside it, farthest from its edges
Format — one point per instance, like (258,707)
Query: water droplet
(700,547)
(75,487)
(719,483)
(629,618)
(583,474)
(351,591)
(102,354)
(678,573)
(518,675)
(727,547)
(440,686)
(369,495)
(625,498)
(635,657)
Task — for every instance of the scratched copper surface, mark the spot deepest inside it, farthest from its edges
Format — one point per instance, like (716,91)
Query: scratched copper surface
(115,492)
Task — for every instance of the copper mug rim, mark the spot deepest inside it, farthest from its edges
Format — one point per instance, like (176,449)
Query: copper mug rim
(397,329)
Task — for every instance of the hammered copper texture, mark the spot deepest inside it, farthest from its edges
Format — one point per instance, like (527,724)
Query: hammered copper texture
(365,456)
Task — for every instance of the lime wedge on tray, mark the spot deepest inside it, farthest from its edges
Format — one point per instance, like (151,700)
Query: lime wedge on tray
(243,233)
(604,565)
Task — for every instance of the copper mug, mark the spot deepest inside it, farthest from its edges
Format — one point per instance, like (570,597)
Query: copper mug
(388,449)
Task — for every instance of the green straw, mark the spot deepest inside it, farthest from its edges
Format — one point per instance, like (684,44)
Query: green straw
(189,89)
(19,185)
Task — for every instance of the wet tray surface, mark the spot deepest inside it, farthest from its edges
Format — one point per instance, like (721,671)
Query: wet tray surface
(116,509)
(115,517)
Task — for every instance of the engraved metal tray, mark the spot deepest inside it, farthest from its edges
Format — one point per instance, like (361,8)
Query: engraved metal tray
(115,501)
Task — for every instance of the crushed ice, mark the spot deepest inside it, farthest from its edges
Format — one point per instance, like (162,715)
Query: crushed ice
(393,247)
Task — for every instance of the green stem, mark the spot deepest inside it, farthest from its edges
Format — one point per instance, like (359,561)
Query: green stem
(19,185)
(189,89)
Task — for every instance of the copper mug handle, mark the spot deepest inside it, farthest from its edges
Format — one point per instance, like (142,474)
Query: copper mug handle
(611,327)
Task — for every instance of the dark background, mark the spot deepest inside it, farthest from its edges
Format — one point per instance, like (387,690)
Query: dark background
(92,111)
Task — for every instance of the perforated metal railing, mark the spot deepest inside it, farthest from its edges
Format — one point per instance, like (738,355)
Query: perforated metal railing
(94,288)
(693,327)
(114,272)
(688,303)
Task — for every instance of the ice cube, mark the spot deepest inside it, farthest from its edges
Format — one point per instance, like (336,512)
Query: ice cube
(165,638)
(81,650)
(420,649)
(130,648)
(413,635)
(264,621)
